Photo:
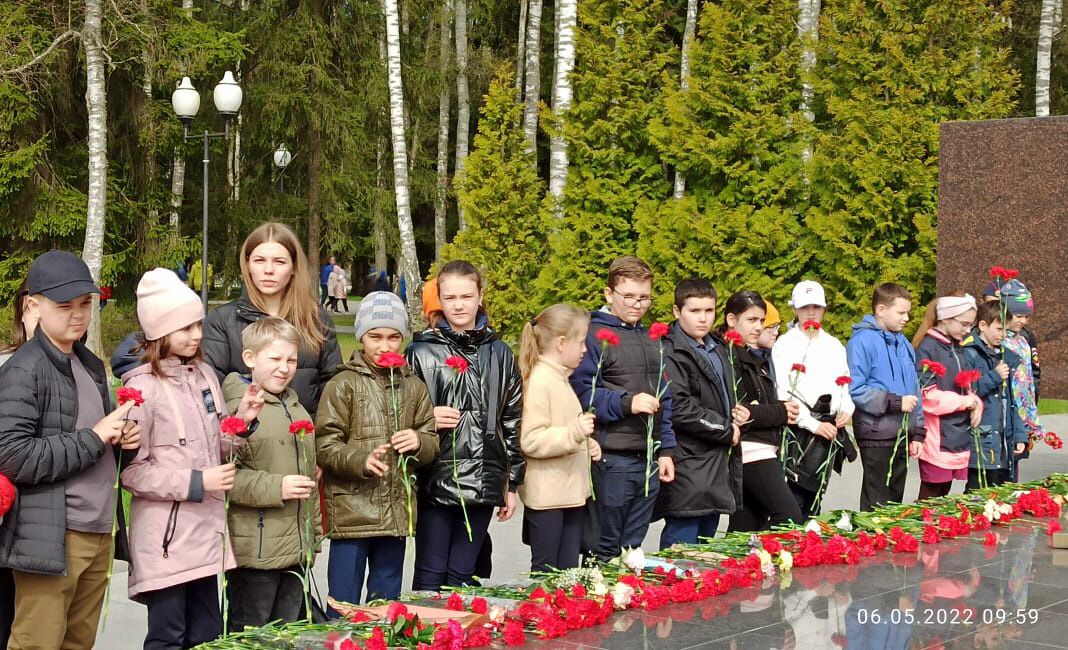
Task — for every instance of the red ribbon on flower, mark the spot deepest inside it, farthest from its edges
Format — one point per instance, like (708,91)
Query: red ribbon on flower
(658,331)
(233,426)
(811,325)
(127,394)
(302,427)
(390,360)
(607,337)
(457,363)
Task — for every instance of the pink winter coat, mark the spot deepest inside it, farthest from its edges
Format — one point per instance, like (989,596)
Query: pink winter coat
(176,528)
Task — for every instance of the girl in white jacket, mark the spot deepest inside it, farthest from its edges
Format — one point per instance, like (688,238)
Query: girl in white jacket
(810,363)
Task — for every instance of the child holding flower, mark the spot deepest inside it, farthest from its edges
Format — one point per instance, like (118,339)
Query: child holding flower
(375,427)
(274,502)
(178,477)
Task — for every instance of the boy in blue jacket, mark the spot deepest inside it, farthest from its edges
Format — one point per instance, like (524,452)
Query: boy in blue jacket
(1002,435)
(885,391)
(625,397)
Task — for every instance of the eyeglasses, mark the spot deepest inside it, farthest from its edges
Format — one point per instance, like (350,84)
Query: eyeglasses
(634,301)
(966,324)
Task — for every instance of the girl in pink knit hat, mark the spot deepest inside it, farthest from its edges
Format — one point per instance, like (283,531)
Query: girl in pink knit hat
(178,479)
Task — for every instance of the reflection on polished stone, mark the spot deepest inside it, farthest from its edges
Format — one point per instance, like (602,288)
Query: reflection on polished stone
(956,594)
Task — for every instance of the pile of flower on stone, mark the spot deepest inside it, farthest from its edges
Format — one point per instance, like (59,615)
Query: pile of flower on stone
(561,602)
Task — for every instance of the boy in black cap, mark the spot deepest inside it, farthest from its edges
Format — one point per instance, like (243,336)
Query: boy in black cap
(59,447)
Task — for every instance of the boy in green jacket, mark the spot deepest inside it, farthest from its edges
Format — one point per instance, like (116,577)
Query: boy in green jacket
(375,428)
(274,504)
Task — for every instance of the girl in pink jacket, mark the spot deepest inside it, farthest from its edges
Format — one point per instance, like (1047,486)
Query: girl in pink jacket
(178,479)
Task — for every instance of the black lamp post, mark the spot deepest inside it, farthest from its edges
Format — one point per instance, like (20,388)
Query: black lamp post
(186,102)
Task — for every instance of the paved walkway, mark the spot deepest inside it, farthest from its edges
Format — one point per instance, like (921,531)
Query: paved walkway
(127,621)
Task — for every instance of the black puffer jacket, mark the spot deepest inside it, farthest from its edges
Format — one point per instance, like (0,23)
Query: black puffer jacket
(40,449)
(756,391)
(489,397)
(222,349)
(708,478)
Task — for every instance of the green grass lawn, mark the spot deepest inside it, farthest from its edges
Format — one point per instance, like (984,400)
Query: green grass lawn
(1052,406)
(347,343)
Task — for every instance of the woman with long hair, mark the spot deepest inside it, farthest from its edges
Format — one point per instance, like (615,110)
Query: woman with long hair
(277,282)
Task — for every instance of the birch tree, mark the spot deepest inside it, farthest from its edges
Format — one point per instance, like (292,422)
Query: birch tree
(533,77)
(808,32)
(521,41)
(463,99)
(440,204)
(1048,27)
(565,61)
(684,76)
(96,107)
(408,268)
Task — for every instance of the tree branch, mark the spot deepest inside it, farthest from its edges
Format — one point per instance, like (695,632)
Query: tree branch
(62,38)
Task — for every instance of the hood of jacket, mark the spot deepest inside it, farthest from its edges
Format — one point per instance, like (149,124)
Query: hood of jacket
(606,318)
(125,359)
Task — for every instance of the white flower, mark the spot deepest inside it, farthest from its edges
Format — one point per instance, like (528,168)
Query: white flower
(621,595)
(990,510)
(1005,509)
(812,526)
(496,614)
(599,589)
(786,560)
(844,523)
(634,559)
(766,565)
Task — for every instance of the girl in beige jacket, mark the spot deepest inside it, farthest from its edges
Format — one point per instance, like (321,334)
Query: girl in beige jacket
(555,437)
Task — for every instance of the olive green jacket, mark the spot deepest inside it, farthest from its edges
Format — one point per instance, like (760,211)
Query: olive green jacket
(267,532)
(356,416)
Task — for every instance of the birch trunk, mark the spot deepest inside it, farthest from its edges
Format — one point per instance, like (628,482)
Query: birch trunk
(1047,27)
(96,105)
(315,152)
(178,162)
(441,211)
(532,79)
(520,58)
(808,32)
(565,61)
(684,76)
(408,268)
(378,226)
(463,101)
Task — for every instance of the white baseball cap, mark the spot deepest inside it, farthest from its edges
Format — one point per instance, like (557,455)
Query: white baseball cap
(808,292)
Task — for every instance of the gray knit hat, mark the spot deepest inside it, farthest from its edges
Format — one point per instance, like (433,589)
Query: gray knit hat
(381,309)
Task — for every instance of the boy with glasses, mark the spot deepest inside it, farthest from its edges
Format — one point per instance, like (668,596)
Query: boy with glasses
(625,398)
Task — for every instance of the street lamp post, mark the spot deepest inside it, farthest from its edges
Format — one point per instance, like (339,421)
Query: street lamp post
(282,158)
(186,103)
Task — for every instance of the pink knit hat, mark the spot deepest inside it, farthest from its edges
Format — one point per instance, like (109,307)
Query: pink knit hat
(165,304)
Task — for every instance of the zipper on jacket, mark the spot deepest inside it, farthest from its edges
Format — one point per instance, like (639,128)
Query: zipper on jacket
(171,529)
(259,554)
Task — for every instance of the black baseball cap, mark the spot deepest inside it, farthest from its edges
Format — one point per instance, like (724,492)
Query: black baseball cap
(60,277)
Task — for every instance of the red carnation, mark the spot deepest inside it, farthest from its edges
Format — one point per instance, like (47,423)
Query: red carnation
(377,640)
(232,426)
(395,611)
(302,428)
(514,634)
(811,325)
(105,293)
(1053,440)
(127,394)
(607,337)
(360,617)
(455,602)
(578,591)
(348,644)
(1002,273)
(478,605)
(7,494)
(1053,527)
(933,367)
(798,367)
(390,360)
(965,378)
(990,539)
(477,637)
(844,380)
(658,331)
(930,535)
(732,337)
(457,363)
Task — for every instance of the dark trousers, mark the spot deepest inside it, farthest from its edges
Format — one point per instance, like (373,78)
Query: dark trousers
(876,461)
(379,559)
(933,490)
(768,501)
(624,509)
(324,294)
(259,596)
(555,537)
(184,615)
(806,499)
(686,530)
(443,554)
(993,477)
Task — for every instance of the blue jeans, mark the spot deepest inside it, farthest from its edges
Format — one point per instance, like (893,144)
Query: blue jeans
(625,510)
(686,530)
(349,562)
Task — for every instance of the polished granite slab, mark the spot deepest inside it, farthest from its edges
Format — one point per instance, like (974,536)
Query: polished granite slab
(956,594)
